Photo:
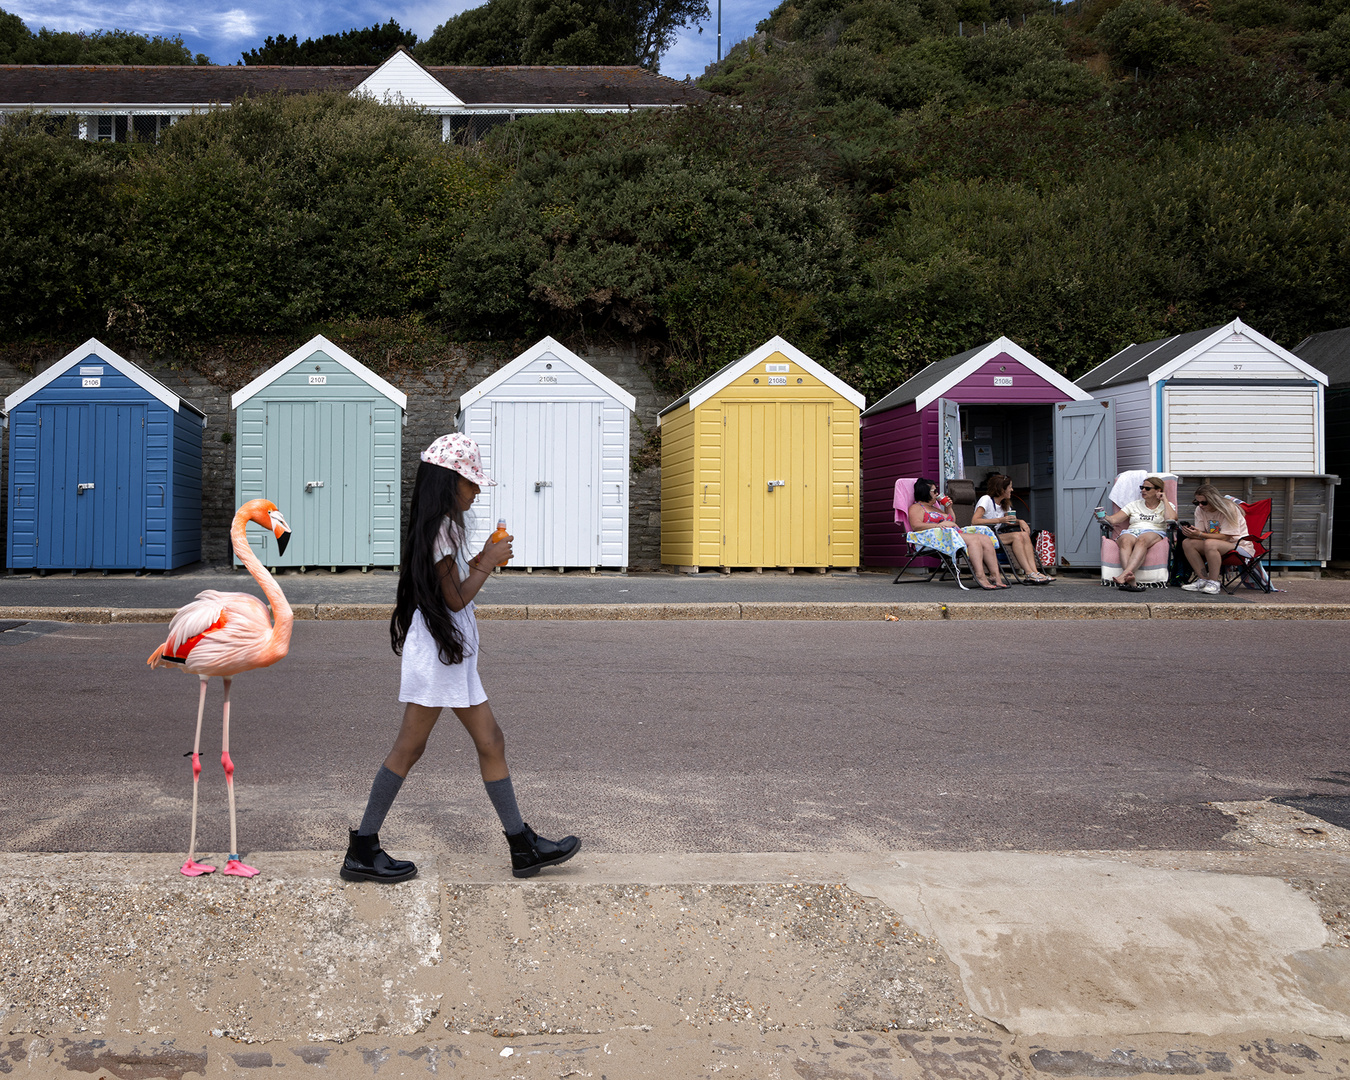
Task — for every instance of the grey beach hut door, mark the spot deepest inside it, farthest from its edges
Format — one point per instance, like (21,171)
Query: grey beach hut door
(1085,466)
(319,465)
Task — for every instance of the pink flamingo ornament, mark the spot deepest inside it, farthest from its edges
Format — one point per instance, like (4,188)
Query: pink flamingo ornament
(223,634)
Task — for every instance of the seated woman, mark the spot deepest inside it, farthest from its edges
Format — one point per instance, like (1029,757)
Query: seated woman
(993,510)
(1219,527)
(1145,522)
(940,532)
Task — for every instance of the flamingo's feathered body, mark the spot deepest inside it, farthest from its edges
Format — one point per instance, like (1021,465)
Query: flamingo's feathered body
(223,634)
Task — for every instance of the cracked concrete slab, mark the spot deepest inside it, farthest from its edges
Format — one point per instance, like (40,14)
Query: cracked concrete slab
(1066,945)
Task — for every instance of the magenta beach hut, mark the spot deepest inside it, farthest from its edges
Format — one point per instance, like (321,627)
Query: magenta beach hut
(995,408)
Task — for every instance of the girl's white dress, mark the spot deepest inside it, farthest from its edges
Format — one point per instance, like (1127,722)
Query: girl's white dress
(427,681)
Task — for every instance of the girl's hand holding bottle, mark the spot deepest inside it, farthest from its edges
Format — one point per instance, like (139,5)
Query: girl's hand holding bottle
(497,550)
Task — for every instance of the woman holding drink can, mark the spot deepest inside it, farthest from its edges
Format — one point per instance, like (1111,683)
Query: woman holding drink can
(995,510)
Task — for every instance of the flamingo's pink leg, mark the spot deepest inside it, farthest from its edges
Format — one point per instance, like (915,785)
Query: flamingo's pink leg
(233,866)
(192,868)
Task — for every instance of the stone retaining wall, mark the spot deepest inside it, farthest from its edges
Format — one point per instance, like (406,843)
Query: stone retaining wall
(433,401)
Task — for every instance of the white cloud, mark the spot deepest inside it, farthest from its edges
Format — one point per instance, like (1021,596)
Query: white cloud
(235,25)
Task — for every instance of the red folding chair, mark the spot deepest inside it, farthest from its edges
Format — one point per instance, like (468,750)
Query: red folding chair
(1239,569)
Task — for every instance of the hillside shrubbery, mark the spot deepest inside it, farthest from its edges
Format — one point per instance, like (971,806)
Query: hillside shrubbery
(875,186)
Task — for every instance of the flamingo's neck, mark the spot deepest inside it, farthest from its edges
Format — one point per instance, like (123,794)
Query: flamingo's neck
(281,610)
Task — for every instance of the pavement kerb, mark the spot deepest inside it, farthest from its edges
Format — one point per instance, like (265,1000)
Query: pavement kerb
(758,611)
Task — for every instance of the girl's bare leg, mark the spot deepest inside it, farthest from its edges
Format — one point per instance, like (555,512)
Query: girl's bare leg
(1194,550)
(1215,550)
(1125,542)
(418,720)
(488,740)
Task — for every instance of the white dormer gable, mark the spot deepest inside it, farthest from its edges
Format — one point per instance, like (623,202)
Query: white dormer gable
(401,80)
(1236,351)
(729,374)
(318,343)
(553,350)
(95,351)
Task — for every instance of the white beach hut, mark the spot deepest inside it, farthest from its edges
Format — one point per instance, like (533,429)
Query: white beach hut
(553,432)
(1228,405)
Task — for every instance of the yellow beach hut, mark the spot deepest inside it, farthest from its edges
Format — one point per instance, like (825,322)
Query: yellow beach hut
(759,466)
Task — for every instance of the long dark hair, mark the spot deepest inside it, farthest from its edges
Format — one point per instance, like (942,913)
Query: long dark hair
(436,496)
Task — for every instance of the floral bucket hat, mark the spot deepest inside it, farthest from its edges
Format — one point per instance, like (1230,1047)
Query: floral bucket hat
(460,453)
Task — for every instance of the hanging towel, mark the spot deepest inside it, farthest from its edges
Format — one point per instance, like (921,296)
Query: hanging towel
(1126,488)
(903,500)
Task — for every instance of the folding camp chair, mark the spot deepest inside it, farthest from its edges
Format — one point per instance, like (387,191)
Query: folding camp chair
(1155,572)
(1239,569)
(947,566)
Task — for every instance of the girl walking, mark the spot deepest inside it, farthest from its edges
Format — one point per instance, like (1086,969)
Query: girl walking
(435,631)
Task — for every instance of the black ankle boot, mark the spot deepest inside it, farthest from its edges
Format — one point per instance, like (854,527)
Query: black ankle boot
(367,861)
(530,853)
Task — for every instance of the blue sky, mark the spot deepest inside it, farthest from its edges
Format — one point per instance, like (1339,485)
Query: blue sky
(224,28)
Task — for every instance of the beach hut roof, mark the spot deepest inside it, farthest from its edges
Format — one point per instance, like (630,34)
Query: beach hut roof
(319,343)
(943,375)
(1155,360)
(734,370)
(1329,353)
(93,346)
(548,347)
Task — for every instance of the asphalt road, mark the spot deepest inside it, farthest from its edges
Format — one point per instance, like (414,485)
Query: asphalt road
(92,589)
(677,736)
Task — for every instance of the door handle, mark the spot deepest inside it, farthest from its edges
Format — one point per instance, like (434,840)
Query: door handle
(776,483)
(542,484)
(80,489)
(312,484)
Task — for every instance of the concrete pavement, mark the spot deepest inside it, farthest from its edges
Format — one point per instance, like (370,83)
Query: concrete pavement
(884,965)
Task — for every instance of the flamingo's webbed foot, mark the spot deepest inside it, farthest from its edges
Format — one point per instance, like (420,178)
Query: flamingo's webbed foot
(235,868)
(192,868)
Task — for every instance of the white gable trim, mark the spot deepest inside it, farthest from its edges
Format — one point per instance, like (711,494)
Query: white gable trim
(734,371)
(549,347)
(401,80)
(319,343)
(1002,345)
(1237,326)
(143,379)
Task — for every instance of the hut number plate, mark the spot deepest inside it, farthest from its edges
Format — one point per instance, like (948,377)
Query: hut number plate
(777,367)
(548,378)
(95,383)
(777,380)
(318,380)
(1002,380)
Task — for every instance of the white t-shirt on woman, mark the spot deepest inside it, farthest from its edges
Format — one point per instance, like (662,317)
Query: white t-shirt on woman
(991,509)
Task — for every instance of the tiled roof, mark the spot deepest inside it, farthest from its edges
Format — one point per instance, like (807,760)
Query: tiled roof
(911,389)
(38,86)
(1330,354)
(1135,363)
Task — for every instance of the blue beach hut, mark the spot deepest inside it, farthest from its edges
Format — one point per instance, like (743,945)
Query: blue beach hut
(105,468)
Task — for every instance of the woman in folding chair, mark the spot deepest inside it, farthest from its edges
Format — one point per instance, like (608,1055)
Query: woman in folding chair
(1220,527)
(931,526)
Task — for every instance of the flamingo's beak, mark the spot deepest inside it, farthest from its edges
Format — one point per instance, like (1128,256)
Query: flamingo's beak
(280,530)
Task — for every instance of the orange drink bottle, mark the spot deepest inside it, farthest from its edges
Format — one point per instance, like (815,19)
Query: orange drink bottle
(499,533)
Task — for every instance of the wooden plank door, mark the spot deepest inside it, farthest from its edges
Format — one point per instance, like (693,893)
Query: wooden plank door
(65,516)
(804,499)
(751,522)
(1085,466)
(547,468)
(118,496)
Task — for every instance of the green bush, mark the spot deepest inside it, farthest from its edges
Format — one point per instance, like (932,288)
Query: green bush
(1153,35)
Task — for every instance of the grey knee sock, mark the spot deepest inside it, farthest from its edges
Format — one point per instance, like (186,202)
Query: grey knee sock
(382,792)
(503,797)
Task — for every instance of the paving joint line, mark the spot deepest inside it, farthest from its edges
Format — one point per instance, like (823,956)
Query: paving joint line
(786,610)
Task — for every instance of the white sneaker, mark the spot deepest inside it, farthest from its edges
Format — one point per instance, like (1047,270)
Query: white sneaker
(1211,588)
(1198,585)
